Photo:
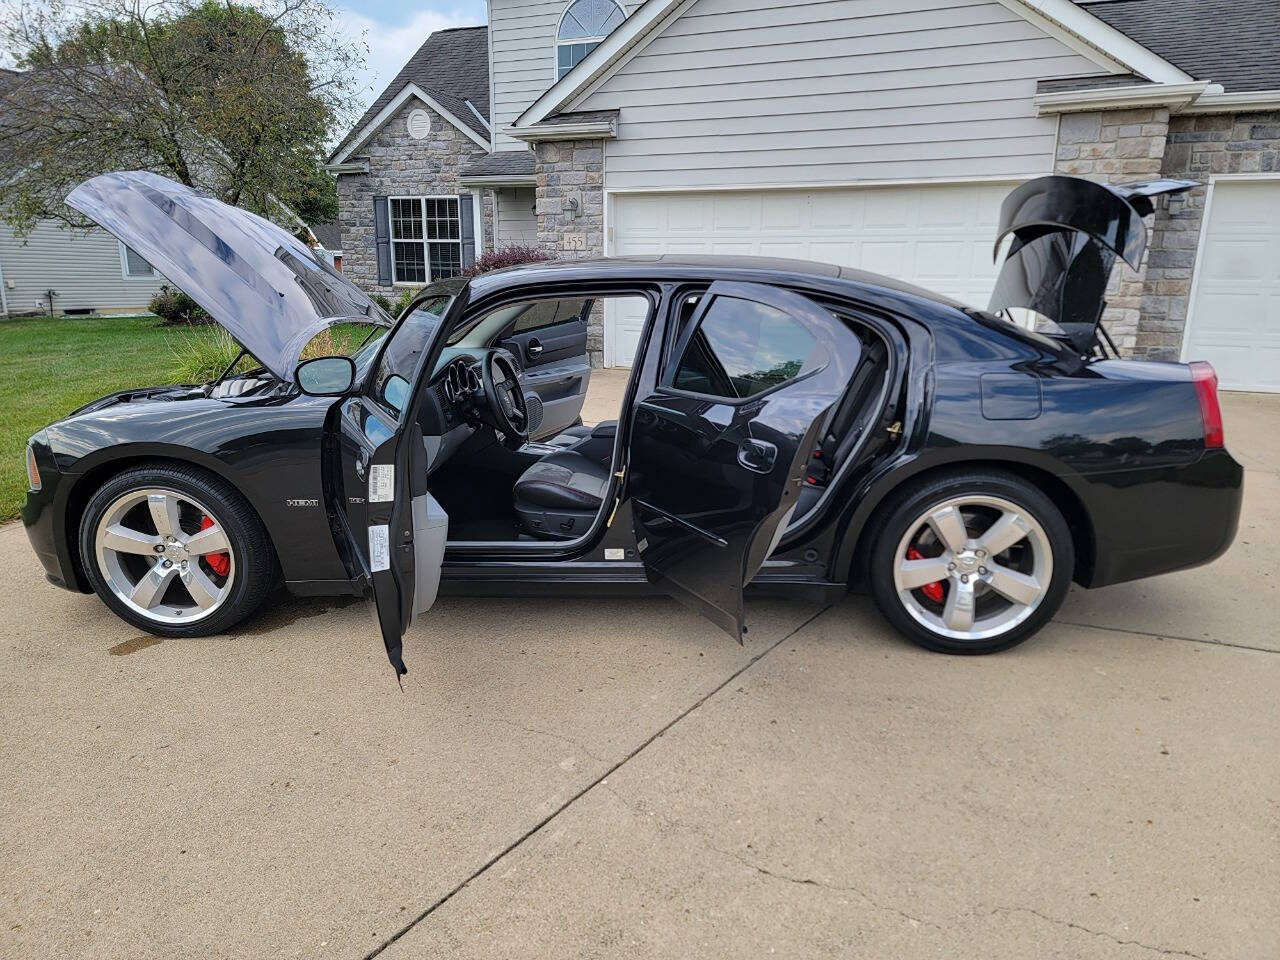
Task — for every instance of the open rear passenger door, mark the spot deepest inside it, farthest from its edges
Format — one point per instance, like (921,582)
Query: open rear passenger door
(718,451)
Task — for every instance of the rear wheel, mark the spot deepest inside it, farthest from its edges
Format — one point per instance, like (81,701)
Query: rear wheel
(175,551)
(972,562)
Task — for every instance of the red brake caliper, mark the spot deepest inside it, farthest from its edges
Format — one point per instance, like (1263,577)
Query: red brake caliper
(931,590)
(220,563)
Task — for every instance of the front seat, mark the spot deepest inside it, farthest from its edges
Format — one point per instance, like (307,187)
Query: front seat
(559,496)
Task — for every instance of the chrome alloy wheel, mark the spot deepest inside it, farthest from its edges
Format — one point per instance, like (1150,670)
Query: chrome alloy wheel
(165,555)
(973,567)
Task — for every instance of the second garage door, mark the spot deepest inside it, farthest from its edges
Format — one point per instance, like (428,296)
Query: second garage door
(1235,311)
(939,237)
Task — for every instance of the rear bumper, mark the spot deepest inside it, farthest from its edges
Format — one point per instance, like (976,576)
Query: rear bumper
(1148,522)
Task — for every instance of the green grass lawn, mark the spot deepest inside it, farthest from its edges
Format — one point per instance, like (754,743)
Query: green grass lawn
(50,366)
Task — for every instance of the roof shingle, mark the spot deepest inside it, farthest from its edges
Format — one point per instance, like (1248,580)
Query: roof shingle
(1232,42)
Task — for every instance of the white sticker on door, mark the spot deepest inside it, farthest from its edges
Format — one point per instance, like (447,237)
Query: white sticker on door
(379,548)
(382,483)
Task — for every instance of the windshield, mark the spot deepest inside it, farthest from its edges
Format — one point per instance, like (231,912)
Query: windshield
(390,385)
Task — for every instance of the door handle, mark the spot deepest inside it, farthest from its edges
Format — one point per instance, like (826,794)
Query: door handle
(534,347)
(758,456)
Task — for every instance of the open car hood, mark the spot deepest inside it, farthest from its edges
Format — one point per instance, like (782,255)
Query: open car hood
(1067,234)
(262,284)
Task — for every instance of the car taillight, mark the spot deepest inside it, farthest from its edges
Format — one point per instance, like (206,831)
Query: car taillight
(1205,380)
(33,472)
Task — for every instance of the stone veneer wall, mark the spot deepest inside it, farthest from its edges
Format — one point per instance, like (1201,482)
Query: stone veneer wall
(573,170)
(1117,146)
(1199,146)
(401,166)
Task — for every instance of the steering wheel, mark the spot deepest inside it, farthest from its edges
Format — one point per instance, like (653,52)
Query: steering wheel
(505,400)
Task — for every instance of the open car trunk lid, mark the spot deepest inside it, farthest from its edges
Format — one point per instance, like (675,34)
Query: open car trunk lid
(262,284)
(1067,234)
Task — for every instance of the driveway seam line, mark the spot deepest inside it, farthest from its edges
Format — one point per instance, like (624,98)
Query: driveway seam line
(515,844)
(1168,636)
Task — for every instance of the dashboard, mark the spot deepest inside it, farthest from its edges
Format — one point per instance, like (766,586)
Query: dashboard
(451,409)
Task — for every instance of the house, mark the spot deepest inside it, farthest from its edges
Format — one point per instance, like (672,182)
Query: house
(70,271)
(881,134)
(326,242)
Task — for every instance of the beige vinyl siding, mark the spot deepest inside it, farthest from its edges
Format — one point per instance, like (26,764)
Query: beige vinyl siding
(522,54)
(83,267)
(517,222)
(752,93)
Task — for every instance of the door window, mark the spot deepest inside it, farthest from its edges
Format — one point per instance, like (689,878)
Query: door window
(742,348)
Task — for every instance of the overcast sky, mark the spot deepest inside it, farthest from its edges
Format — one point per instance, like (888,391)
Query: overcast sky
(394,29)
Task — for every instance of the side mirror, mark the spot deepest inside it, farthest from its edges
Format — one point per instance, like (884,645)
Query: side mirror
(326,376)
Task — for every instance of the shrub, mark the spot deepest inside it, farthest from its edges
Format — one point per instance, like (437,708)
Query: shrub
(506,257)
(202,355)
(381,301)
(402,301)
(175,308)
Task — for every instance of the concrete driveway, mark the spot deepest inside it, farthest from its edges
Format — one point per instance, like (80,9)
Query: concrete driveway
(617,779)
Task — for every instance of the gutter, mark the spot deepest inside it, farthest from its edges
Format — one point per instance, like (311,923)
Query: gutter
(1230,102)
(584,130)
(1176,96)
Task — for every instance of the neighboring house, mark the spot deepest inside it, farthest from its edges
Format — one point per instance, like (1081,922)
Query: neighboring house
(880,134)
(87,271)
(328,242)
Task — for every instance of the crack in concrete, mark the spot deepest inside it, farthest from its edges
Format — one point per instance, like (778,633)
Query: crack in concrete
(1166,636)
(1163,951)
(515,844)
(765,871)
(554,736)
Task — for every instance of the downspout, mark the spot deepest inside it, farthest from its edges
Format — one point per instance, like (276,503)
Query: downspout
(4,299)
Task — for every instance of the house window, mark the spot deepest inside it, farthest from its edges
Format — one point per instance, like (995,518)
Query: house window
(133,264)
(584,24)
(426,239)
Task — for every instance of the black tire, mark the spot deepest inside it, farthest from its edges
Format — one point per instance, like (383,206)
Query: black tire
(915,500)
(254,573)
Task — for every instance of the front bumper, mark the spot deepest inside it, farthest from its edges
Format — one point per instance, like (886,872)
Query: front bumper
(44,516)
(1158,520)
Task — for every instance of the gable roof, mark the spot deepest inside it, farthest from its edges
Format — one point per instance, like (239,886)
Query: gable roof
(1067,20)
(328,234)
(452,68)
(1232,42)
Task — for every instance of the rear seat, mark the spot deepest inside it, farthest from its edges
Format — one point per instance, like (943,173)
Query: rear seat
(594,442)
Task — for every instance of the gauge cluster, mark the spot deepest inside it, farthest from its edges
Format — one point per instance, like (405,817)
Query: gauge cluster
(460,382)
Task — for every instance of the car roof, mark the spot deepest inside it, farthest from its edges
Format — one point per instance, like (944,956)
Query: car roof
(769,270)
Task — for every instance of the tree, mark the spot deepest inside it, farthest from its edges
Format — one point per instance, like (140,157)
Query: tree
(235,100)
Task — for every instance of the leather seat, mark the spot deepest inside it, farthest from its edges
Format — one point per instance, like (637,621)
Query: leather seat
(559,496)
(570,436)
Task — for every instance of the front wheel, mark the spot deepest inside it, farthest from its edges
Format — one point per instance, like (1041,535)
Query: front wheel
(175,550)
(971,562)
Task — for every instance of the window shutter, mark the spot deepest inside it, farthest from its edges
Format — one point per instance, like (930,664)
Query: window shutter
(467,229)
(382,240)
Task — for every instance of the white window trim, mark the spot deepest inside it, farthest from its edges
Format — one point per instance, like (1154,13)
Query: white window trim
(555,68)
(420,198)
(124,266)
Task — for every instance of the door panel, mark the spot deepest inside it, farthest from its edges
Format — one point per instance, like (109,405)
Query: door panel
(718,451)
(554,368)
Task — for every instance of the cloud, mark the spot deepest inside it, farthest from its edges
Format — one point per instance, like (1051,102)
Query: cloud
(390,47)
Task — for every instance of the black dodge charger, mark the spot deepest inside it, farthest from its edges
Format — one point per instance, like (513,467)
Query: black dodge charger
(792,426)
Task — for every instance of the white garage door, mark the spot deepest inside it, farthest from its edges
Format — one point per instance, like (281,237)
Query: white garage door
(1234,320)
(939,237)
